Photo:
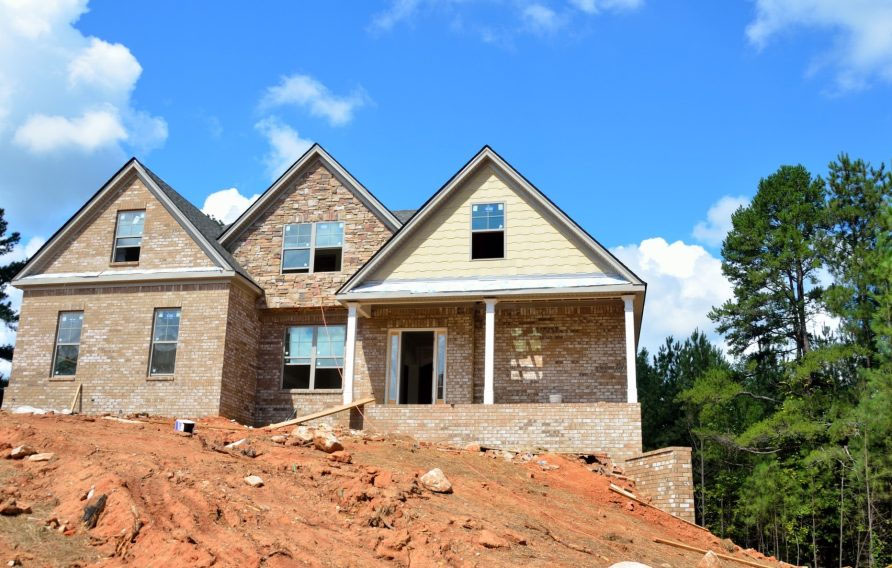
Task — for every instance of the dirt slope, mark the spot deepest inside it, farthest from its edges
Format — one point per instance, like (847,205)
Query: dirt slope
(180,501)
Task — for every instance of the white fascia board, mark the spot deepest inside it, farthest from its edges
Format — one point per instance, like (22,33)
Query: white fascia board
(87,279)
(579,291)
(268,196)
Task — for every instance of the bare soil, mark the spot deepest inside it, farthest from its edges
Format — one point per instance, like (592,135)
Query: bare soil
(182,501)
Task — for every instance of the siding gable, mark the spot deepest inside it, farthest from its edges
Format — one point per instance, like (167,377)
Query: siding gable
(165,243)
(535,244)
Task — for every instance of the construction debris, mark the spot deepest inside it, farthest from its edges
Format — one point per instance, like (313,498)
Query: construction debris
(21,452)
(93,510)
(323,413)
(254,481)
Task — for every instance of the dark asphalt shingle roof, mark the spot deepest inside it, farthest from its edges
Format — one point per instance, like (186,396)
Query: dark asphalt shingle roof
(404,214)
(209,228)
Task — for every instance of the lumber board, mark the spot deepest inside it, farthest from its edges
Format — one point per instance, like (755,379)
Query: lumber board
(322,413)
(704,551)
(624,493)
(77,394)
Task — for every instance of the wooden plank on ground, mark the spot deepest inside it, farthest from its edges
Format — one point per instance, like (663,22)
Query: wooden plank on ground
(624,493)
(322,413)
(77,394)
(704,551)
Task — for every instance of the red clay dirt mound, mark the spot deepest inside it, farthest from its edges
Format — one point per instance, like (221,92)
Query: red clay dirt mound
(173,500)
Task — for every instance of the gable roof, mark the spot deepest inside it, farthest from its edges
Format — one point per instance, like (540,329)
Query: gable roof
(316,152)
(487,155)
(404,214)
(203,230)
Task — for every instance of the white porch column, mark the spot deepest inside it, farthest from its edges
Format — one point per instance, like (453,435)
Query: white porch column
(631,379)
(490,351)
(349,351)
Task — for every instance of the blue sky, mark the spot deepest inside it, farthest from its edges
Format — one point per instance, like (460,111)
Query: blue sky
(637,117)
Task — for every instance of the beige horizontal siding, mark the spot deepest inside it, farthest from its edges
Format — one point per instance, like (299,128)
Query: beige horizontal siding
(442,247)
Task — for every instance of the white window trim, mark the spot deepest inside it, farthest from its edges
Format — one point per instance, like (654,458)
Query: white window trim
(312,387)
(312,248)
(167,341)
(58,343)
(115,246)
(503,230)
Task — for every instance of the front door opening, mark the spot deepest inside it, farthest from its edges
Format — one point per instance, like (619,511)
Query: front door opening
(417,367)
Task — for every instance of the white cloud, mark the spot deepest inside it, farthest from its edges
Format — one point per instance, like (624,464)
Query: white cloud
(227,204)
(399,11)
(42,133)
(109,66)
(306,92)
(20,252)
(861,33)
(286,145)
(712,231)
(683,283)
(67,118)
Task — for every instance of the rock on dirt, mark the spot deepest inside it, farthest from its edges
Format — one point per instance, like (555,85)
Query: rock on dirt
(341,456)
(490,539)
(327,442)
(435,480)
(21,452)
(709,560)
(279,439)
(254,481)
(41,457)
(10,508)
(303,434)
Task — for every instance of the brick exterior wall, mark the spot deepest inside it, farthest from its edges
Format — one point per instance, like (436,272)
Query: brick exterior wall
(114,350)
(239,382)
(165,244)
(314,195)
(666,477)
(573,349)
(273,403)
(614,428)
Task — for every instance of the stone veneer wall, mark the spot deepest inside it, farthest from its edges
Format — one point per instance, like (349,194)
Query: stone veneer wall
(316,195)
(114,350)
(666,476)
(614,428)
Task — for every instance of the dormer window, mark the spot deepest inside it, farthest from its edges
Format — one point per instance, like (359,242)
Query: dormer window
(316,245)
(487,231)
(128,235)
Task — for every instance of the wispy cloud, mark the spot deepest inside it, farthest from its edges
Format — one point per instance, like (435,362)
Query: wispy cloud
(303,91)
(496,21)
(860,50)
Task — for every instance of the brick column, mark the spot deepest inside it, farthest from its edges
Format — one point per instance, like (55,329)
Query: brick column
(489,351)
(349,351)
(631,379)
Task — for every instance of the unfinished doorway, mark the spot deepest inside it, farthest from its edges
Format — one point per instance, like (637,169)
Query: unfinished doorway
(416,366)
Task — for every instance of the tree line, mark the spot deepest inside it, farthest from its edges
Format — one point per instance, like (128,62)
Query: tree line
(791,430)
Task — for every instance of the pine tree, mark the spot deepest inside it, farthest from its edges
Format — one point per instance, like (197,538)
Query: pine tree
(7,272)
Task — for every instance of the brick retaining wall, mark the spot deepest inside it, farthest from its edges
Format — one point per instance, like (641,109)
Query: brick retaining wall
(614,428)
(666,477)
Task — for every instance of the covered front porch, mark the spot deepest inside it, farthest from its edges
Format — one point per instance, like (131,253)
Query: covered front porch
(568,348)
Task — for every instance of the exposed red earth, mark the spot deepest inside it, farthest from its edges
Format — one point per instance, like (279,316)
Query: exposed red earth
(174,500)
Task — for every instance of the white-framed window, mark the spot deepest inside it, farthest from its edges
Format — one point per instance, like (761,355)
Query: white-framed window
(68,343)
(128,235)
(312,247)
(314,357)
(487,231)
(165,336)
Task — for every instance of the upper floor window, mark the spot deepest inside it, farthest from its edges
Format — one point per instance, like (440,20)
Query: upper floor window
(128,235)
(487,230)
(316,245)
(165,335)
(68,343)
